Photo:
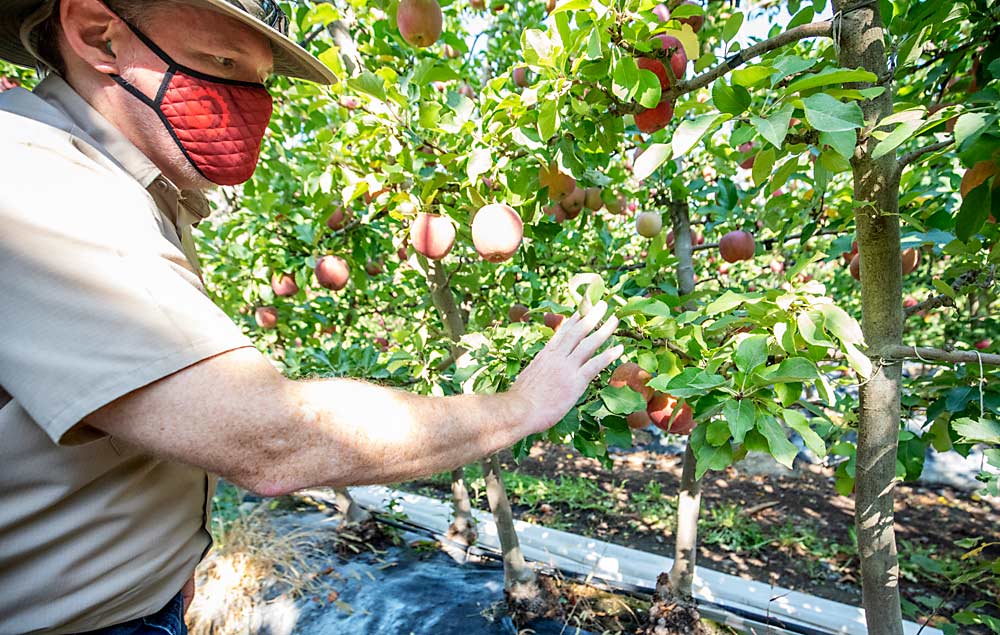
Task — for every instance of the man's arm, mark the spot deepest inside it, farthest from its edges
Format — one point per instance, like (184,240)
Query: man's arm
(236,416)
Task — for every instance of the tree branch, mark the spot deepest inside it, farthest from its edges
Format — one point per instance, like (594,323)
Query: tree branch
(967,278)
(910,157)
(815,29)
(922,353)
(769,242)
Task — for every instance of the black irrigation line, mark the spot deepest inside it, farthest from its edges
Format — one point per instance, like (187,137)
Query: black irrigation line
(632,589)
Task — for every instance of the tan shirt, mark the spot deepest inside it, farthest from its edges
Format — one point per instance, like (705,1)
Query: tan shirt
(98,297)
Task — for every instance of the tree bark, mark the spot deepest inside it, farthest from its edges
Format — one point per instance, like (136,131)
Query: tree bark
(674,610)
(876,197)
(516,572)
(463,527)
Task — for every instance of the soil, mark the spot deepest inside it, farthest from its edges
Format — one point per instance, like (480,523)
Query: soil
(928,521)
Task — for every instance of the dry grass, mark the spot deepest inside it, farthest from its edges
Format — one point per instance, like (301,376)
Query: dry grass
(250,561)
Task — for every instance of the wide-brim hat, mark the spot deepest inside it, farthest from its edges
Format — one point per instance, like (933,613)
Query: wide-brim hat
(263,16)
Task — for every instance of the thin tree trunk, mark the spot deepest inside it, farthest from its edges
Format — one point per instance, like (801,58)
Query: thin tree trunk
(876,195)
(463,526)
(674,609)
(518,576)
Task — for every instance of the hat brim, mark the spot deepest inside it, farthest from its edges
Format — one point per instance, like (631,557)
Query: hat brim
(290,59)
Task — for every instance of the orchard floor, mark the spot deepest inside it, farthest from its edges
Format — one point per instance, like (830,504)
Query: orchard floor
(766,524)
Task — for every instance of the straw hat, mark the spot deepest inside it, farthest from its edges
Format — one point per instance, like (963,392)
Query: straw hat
(18,19)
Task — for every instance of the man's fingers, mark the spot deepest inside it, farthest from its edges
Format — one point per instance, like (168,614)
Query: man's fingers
(561,333)
(584,327)
(590,344)
(592,368)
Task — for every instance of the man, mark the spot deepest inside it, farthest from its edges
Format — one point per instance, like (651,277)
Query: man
(121,385)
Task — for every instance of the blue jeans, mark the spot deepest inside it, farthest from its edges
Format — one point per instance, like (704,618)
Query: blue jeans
(167,621)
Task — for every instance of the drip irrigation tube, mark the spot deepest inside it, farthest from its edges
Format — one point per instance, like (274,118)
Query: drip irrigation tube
(745,605)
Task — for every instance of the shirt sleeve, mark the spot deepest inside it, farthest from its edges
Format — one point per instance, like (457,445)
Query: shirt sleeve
(95,302)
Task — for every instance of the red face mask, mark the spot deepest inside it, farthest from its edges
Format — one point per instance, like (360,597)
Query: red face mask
(217,123)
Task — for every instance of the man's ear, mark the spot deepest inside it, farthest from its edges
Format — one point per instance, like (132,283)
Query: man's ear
(91,31)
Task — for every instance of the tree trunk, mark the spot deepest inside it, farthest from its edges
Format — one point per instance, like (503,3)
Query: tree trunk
(463,527)
(674,609)
(876,196)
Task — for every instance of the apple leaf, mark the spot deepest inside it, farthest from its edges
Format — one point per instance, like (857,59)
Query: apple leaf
(829,76)
(480,162)
(752,75)
(717,432)
(751,353)
(798,422)
(968,127)
(860,362)
(708,456)
(841,325)
(791,369)
(974,212)
(692,382)
(648,89)
(981,431)
(731,99)
(691,131)
(652,157)
(622,400)
(740,415)
(826,114)
(625,78)
(902,133)
(763,165)
(783,450)
(368,83)
(617,432)
(548,118)
(775,127)
(732,26)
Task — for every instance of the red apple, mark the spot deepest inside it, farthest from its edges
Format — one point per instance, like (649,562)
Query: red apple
(910,301)
(593,199)
(373,267)
(737,245)
(520,77)
(638,420)
(518,313)
(667,416)
(661,12)
(652,119)
(556,213)
(266,317)
(632,375)
(855,267)
(560,185)
(573,202)
(982,345)
(497,231)
(332,272)
(283,285)
(694,21)
(553,320)
(432,235)
(338,219)
(420,21)
(910,258)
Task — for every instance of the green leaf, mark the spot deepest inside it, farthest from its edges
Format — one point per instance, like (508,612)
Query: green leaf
(974,211)
(751,353)
(480,162)
(368,83)
(708,456)
(791,369)
(740,414)
(977,431)
(810,331)
(725,302)
(717,432)
(548,118)
(968,127)
(625,79)
(622,400)
(751,75)
(731,99)
(539,49)
(826,114)
(691,131)
(829,76)
(901,134)
(594,48)
(775,127)
(798,422)
(860,362)
(430,114)
(617,432)
(648,90)
(910,453)
(692,382)
(732,26)
(652,157)
(841,325)
(783,450)
(763,166)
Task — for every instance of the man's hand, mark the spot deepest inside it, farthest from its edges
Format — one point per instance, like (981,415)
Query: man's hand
(188,593)
(553,381)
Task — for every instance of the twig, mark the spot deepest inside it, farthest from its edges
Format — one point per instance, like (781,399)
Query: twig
(967,278)
(769,242)
(899,351)
(910,157)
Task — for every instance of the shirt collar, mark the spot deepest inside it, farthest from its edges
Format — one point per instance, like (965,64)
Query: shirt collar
(185,207)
